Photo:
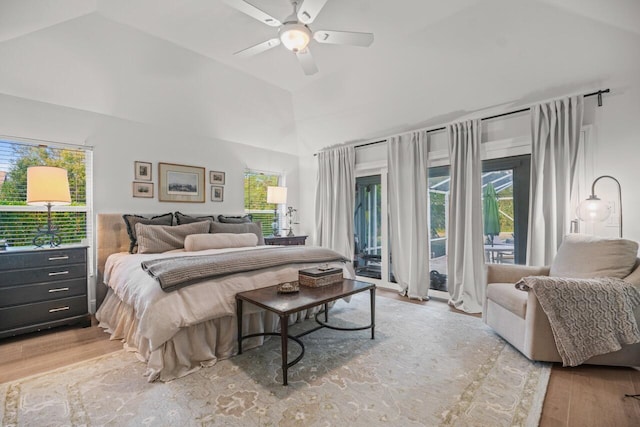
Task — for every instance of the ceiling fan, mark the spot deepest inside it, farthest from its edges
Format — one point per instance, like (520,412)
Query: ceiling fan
(294,33)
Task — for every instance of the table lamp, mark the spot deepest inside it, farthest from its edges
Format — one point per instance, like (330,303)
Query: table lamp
(276,195)
(47,186)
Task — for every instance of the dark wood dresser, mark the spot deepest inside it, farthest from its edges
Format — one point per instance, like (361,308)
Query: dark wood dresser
(42,288)
(285,240)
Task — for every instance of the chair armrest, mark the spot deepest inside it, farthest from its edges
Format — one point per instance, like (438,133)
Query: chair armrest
(511,273)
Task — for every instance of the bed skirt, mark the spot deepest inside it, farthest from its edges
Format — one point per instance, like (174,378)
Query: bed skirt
(193,347)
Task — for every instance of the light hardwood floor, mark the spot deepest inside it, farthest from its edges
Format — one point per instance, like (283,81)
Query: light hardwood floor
(583,396)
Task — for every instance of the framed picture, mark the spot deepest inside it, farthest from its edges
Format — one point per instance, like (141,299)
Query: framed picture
(217,193)
(143,189)
(142,171)
(180,183)
(216,177)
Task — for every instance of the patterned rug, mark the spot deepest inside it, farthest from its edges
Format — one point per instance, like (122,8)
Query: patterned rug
(427,366)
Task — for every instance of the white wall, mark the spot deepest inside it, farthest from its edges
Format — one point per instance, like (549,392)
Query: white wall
(614,136)
(118,143)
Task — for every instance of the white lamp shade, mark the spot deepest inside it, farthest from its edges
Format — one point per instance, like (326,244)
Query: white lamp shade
(593,210)
(47,185)
(276,194)
(295,37)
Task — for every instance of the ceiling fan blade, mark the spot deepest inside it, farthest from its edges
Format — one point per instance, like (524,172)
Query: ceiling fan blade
(343,37)
(306,60)
(309,9)
(259,48)
(253,12)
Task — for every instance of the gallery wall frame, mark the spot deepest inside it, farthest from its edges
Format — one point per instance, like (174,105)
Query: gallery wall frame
(180,183)
(142,171)
(216,177)
(217,193)
(143,189)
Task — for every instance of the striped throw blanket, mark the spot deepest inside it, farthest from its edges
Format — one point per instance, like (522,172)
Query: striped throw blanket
(176,272)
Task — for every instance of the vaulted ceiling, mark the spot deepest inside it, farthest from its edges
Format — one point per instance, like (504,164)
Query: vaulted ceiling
(171,63)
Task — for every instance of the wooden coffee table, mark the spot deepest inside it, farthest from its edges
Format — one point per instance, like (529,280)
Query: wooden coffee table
(285,304)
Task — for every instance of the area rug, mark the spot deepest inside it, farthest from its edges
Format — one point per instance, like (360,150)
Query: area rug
(427,366)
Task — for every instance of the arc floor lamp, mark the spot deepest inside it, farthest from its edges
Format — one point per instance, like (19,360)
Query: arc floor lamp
(595,209)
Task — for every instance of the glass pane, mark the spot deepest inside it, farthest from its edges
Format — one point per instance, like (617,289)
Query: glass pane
(368,227)
(438,204)
(498,216)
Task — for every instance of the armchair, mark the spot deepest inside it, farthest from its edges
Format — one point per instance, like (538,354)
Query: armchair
(518,317)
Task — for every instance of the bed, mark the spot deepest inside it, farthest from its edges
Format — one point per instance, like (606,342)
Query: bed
(178,331)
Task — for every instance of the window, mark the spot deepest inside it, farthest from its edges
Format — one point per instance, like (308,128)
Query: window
(255,200)
(18,221)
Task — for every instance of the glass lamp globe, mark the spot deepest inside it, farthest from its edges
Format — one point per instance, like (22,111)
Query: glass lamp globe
(593,210)
(295,37)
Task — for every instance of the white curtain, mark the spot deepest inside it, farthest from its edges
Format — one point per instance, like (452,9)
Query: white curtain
(409,212)
(465,250)
(335,198)
(555,133)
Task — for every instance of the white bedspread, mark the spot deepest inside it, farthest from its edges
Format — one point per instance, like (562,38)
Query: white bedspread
(162,314)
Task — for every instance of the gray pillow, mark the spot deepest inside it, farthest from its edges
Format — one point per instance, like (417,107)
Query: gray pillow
(246,227)
(153,239)
(235,219)
(187,219)
(132,220)
(582,256)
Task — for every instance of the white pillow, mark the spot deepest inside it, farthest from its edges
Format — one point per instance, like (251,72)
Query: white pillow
(582,256)
(200,242)
(153,239)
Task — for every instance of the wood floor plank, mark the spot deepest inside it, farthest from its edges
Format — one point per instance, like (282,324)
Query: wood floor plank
(582,396)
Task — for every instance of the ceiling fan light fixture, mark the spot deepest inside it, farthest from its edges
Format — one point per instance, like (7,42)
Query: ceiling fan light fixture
(295,37)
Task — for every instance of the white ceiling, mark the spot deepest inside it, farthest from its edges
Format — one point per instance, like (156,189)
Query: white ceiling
(154,61)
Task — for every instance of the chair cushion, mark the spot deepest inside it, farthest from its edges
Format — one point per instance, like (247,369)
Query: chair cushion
(583,256)
(507,296)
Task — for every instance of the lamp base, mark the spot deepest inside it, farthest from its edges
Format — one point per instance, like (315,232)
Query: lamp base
(47,234)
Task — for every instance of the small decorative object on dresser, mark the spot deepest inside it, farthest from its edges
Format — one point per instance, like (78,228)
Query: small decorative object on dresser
(217,193)
(216,177)
(319,276)
(42,288)
(143,189)
(142,171)
(285,240)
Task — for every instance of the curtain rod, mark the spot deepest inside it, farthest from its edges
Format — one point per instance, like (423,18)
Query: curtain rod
(522,110)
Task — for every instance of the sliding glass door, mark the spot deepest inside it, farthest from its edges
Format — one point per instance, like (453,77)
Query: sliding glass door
(368,227)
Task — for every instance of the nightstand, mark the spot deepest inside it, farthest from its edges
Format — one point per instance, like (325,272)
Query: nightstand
(42,288)
(285,240)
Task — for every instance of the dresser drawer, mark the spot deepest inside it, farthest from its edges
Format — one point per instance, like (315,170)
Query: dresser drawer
(43,274)
(24,294)
(42,258)
(41,312)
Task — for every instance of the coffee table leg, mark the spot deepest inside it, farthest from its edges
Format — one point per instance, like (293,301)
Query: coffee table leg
(326,313)
(239,316)
(372,296)
(284,338)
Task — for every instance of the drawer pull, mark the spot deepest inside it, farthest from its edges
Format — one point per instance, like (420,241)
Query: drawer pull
(58,273)
(57,258)
(58,290)
(53,310)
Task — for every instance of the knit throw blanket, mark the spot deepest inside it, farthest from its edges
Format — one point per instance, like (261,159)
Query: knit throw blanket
(588,317)
(175,272)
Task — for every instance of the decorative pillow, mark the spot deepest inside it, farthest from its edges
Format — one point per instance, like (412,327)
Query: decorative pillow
(132,220)
(186,219)
(200,242)
(247,227)
(582,256)
(153,239)
(235,219)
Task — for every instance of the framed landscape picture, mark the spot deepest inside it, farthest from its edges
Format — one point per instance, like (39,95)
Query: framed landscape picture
(142,171)
(143,189)
(216,178)
(180,183)
(217,193)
